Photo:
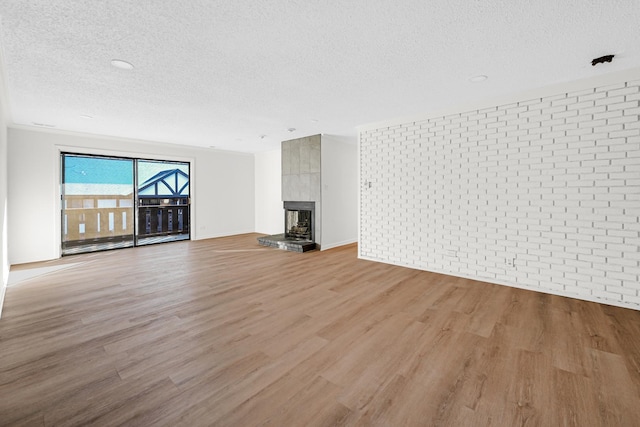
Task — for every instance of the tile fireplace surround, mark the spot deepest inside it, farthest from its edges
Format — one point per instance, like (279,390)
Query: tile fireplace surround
(300,191)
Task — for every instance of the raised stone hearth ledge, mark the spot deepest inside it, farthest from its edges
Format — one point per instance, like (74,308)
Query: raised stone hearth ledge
(281,242)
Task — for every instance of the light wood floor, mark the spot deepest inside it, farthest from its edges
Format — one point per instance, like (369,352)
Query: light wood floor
(225,332)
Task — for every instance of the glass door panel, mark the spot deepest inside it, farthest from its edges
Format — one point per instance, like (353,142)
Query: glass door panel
(97,203)
(163,201)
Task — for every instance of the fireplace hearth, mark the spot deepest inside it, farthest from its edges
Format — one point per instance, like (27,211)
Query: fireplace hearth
(299,223)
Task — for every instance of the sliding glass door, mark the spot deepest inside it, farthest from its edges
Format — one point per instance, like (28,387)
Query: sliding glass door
(97,203)
(110,202)
(163,201)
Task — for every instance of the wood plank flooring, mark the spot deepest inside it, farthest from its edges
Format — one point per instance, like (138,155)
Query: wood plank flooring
(225,332)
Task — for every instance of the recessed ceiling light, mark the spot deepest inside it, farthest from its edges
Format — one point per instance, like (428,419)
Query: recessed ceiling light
(124,65)
(85,116)
(314,120)
(478,79)
(291,130)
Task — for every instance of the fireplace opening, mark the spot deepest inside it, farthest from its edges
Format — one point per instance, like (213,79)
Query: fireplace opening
(299,225)
(299,220)
(299,228)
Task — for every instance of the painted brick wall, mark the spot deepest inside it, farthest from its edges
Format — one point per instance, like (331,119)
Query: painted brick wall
(542,194)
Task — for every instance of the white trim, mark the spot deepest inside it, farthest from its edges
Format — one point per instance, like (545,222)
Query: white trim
(492,281)
(360,189)
(338,244)
(226,234)
(3,290)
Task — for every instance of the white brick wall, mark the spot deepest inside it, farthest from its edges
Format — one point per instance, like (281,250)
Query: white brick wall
(552,183)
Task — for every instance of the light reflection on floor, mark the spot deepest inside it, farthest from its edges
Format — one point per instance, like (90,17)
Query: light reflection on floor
(20,275)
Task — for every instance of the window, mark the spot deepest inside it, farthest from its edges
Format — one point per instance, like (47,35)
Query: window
(97,189)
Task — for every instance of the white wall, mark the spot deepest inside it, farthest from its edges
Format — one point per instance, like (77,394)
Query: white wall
(541,193)
(224,193)
(269,214)
(4,260)
(222,187)
(339,175)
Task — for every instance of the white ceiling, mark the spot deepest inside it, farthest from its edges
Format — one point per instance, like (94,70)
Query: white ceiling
(223,72)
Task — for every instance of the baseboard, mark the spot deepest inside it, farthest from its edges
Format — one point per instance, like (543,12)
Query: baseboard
(3,289)
(335,245)
(614,303)
(203,236)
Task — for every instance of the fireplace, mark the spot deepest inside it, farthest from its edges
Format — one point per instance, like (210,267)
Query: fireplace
(299,228)
(299,221)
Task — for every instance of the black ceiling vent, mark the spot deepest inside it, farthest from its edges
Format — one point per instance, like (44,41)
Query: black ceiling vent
(602,60)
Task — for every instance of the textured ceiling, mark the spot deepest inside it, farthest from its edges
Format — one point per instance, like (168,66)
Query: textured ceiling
(222,73)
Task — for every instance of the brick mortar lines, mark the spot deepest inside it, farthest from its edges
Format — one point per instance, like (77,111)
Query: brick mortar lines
(553,183)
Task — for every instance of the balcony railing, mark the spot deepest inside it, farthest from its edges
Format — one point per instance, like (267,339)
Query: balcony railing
(96,223)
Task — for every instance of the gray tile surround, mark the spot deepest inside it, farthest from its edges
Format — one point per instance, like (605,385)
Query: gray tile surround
(301,180)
